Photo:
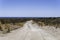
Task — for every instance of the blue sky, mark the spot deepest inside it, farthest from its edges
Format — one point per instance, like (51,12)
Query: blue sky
(29,8)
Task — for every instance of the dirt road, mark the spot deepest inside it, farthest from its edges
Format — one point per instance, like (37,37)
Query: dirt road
(29,32)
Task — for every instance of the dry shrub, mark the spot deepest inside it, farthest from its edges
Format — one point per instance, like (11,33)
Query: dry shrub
(4,28)
(41,24)
(20,24)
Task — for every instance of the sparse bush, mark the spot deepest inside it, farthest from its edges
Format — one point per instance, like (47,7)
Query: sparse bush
(41,24)
(19,24)
(9,24)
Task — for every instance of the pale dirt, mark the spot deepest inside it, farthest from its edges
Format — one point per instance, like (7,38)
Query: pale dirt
(30,32)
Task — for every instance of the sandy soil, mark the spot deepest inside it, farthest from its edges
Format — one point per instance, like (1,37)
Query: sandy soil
(32,32)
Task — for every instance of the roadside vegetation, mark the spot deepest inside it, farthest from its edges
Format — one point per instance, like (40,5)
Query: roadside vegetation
(9,24)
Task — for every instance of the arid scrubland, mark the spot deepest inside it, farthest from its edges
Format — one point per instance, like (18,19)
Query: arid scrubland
(9,24)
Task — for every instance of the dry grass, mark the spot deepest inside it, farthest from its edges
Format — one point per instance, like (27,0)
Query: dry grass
(19,24)
(7,25)
(5,28)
